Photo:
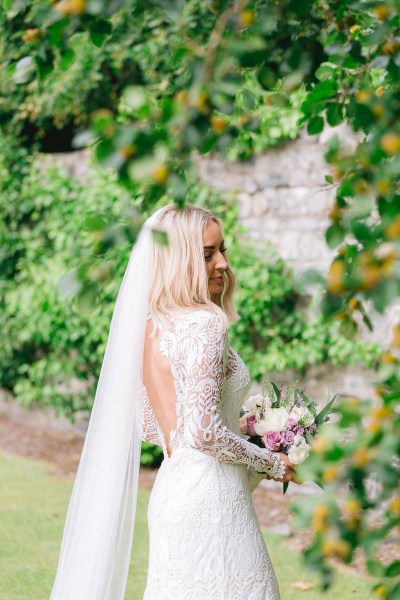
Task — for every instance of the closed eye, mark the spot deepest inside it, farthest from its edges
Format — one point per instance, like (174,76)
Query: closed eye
(209,256)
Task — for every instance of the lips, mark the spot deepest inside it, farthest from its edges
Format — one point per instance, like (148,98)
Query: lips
(219,278)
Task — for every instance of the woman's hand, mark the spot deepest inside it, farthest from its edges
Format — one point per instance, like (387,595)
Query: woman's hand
(290,474)
(289,470)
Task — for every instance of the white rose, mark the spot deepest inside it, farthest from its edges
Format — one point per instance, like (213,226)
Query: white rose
(252,404)
(297,413)
(276,419)
(261,427)
(299,450)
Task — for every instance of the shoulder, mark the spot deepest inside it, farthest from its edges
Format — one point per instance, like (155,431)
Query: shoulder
(202,319)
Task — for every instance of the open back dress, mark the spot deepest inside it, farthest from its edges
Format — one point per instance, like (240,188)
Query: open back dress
(204,535)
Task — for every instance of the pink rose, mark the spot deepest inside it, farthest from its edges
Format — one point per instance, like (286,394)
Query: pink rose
(287,438)
(250,425)
(291,423)
(272,440)
(299,430)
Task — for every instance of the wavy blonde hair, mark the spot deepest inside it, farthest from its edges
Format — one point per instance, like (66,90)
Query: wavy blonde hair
(179,277)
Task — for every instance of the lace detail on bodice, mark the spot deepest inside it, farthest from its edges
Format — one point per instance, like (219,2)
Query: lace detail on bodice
(211,383)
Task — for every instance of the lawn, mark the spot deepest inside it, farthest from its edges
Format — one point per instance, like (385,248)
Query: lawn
(33,506)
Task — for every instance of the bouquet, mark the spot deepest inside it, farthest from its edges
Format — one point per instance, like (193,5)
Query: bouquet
(283,422)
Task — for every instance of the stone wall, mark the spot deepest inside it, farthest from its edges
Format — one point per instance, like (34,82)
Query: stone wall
(284,198)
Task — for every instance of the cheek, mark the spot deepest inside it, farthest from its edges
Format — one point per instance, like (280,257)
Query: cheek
(209,267)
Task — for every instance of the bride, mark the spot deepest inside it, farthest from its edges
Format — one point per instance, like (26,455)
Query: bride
(170,377)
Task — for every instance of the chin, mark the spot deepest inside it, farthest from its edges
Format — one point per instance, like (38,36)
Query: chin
(216,291)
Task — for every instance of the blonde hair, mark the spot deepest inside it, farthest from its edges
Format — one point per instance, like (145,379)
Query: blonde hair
(179,277)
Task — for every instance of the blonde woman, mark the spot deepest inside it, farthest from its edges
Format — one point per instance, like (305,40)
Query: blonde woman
(168,349)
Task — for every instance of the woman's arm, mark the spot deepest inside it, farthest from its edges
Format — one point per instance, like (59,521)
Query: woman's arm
(146,422)
(201,352)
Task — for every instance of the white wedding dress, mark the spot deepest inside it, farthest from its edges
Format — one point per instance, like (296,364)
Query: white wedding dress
(205,539)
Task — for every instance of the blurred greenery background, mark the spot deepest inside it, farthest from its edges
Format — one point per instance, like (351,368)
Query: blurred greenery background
(146,87)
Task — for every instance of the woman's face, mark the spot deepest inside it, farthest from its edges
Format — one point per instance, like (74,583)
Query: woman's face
(214,256)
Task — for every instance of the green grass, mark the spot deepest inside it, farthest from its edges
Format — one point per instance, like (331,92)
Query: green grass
(33,507)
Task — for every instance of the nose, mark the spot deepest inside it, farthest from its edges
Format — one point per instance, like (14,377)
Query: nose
(222,263)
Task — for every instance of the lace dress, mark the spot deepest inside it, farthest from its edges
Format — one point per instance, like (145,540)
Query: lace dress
(205,539)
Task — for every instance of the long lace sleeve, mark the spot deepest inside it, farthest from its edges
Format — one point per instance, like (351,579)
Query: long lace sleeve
(202,350)
(145,421)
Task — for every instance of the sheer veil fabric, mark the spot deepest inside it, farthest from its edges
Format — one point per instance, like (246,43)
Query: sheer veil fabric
(98,533)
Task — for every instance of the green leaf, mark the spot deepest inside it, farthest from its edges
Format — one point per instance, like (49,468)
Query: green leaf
(334,114)
(94,222)
(315,125)
(375,567)
(320,418)
(56,32)
(309,437)
(285,487)
(45,67)
(322,91)
(277,390)
(99,30)
(325,72)
(328,178)
(67,58)
(334,235)
(393,569)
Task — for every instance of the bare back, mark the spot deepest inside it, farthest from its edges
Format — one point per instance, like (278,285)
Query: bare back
(159,383)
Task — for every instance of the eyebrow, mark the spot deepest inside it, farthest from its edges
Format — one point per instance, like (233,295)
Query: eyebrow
(212,247)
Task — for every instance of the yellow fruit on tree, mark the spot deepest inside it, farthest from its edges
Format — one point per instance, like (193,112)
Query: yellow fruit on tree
(382,412)
(390,143)
(383,186)
(182,96)
(362,457)
(351,512)
(354,304)
(378,110)
(31,35)
(335,277)
(70,7)
(201,103)
(382,11)
(363,96)
(330,474)
(319,518)
(370,276)
(246,18)
(396,335)
(387,357)
(336,548)
(335,213)
(160,174)
(393,229)
(320,445)
(394,506)
(128,151)
(218,124)
(380,591)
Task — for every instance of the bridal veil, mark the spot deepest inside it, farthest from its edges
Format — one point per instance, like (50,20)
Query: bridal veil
(98,533)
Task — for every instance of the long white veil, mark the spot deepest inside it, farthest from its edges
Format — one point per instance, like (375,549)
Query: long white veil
(98,533)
